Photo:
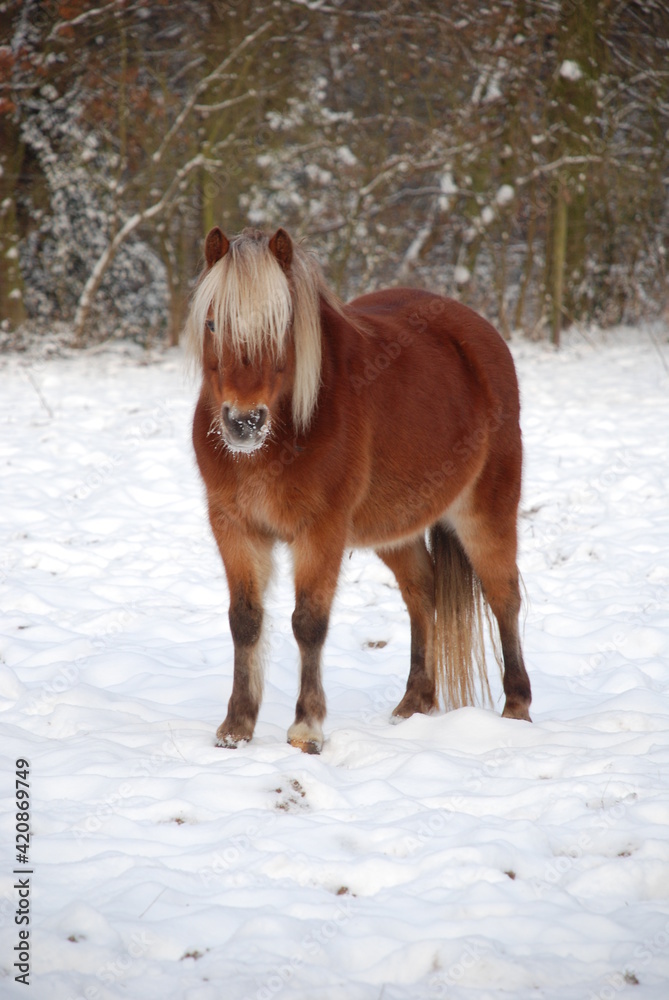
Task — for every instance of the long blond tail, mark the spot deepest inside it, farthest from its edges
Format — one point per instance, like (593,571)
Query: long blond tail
(459,644)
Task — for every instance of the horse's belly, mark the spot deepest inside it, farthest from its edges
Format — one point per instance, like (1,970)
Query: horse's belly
(395,511)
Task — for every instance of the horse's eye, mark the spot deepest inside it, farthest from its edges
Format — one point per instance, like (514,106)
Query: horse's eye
(210,325)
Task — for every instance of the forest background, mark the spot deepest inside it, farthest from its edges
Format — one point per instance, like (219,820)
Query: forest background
(512,153)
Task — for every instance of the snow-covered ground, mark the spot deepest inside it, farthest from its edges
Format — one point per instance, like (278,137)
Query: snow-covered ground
(460,856)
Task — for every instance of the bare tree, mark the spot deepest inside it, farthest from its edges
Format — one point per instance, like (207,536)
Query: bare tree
(513,154)
(208,157)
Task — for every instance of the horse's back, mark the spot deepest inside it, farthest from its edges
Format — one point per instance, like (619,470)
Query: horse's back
(439,341)
(438,386)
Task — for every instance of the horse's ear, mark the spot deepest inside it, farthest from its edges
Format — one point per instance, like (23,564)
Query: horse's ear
(216,246)
(281,246)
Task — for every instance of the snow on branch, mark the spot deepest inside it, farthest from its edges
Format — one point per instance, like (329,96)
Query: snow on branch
(129,226)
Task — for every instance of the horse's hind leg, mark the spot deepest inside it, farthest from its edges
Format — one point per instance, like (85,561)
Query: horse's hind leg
(487,532)
(412,565)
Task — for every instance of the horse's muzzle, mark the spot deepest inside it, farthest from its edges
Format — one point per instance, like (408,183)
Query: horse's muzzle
(244,430)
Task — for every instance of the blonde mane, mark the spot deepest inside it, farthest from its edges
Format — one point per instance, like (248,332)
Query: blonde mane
(256,307)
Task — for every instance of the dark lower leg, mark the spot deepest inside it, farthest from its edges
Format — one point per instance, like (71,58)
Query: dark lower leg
(245,625)
(492,552)
(420,695)
(310,623)
(516,681)
(414,571)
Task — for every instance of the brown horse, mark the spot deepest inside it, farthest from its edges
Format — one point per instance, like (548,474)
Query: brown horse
(330,426)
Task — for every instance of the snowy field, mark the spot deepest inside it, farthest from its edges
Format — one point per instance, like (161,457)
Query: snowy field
(459,856)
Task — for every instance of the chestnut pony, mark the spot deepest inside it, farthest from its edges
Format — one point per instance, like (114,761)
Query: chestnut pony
(329,426)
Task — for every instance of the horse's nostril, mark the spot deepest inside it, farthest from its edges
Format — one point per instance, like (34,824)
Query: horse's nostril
(256,418)
(244,424)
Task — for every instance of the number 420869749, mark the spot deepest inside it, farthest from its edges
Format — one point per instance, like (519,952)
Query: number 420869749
(22,810)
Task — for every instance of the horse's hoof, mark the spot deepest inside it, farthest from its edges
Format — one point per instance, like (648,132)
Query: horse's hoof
(517,711)
(413,703)
(307,746)
(227,738)
(307,738)
(229,742)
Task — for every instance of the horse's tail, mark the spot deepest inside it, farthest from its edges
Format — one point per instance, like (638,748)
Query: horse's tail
(460,609)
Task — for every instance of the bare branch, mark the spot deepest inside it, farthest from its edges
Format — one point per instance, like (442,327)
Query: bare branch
(203,86)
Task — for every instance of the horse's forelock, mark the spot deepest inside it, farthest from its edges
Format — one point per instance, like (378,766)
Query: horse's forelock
(252,302)
(255,306)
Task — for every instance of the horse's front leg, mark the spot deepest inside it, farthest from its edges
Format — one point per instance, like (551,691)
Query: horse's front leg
(245,617)
(317,562)
(247,564)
